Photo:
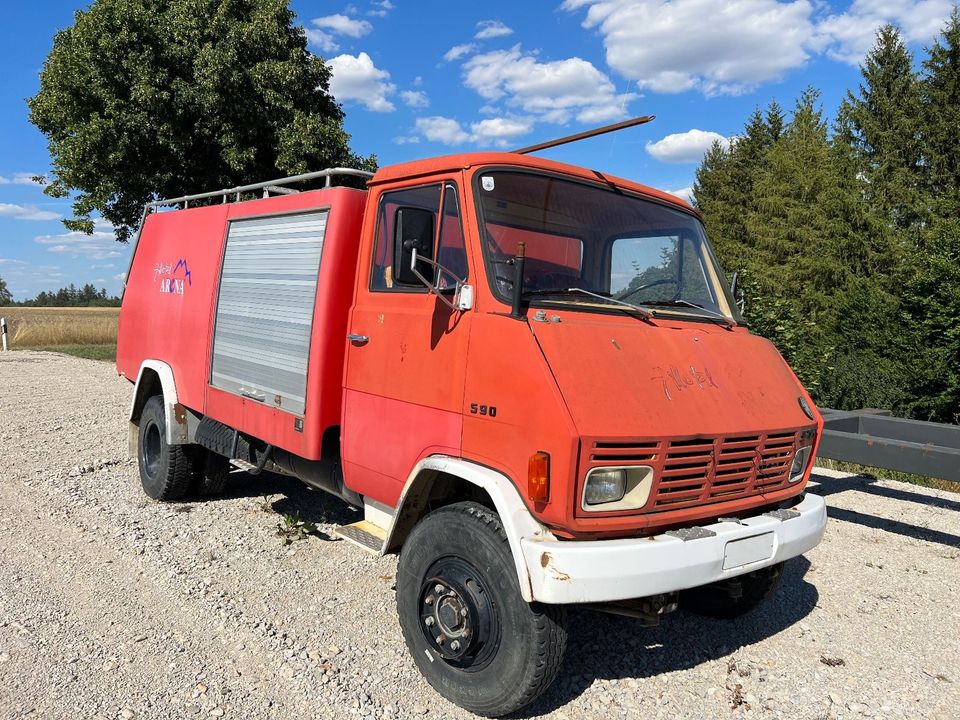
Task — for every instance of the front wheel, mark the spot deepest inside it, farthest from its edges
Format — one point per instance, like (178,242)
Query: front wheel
(471,634)
(165,470)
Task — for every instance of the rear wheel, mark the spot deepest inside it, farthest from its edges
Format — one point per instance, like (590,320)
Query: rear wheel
(471,634)
(734,597)
(165,470)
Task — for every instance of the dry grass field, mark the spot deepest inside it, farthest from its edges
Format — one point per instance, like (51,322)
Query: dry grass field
(87,332)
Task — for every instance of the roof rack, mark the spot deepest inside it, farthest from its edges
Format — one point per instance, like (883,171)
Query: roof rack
(269,186)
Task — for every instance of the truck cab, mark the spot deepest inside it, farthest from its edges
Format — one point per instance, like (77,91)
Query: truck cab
(532,377)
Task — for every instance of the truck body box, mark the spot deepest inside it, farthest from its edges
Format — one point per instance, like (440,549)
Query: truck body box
(285,386)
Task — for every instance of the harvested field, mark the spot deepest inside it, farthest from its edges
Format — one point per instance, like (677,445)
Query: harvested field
(86,332)
(41,327)
(116,606)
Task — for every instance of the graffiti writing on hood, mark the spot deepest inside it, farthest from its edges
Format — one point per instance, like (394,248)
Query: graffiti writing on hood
(676,379)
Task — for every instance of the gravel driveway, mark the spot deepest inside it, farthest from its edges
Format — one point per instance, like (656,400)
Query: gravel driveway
(114,606)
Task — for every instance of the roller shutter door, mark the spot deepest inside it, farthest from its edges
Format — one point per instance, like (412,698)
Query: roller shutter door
(268,288)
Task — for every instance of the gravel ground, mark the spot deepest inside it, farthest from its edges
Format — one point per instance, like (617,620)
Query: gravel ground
(114,606)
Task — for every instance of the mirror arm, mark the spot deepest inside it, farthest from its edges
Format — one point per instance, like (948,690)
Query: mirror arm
(414,257)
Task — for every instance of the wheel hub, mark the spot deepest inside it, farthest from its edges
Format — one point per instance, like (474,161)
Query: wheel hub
(152,449)
(456,615)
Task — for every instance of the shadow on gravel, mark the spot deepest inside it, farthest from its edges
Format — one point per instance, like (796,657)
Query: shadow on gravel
(831,486)
(604,646)
(315,506)
(867,484)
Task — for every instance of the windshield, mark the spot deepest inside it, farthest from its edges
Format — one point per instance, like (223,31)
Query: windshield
(589,238)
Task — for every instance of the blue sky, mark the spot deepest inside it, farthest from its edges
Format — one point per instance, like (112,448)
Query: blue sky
(418,79)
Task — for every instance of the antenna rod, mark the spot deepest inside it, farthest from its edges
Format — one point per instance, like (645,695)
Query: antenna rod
(585,134)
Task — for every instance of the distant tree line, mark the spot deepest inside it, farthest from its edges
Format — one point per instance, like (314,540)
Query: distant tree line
(847,238)
(70,296)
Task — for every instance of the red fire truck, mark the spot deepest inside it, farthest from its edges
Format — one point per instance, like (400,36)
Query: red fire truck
(532,377)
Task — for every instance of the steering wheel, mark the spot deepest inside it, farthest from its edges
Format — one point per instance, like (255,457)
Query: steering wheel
(630,293)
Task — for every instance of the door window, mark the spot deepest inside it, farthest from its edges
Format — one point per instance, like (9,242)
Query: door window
(447,245)
(424,198)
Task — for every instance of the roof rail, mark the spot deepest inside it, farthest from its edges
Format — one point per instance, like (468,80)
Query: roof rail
(268,186)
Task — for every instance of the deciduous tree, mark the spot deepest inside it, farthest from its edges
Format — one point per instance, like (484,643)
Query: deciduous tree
(140,98)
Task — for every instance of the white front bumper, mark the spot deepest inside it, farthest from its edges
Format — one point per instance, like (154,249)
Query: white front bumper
(589,571)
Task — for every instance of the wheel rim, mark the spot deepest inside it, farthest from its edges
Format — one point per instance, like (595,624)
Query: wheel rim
(152,445)
(458,618)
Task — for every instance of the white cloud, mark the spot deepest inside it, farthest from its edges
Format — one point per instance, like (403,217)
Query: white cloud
(11,261)
(406,140)
(849,35)
(717,48)
(498,131)
(99,245)
(459,51)
(552,90)
(381,8)
(415,98)
(343,25)
(357,78)
(26,212)
(20,178)
(685,147)
(322,40)
(443,130)
(487,29)
(685,193)
(492,131)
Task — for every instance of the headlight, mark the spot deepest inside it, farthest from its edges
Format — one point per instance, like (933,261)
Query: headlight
(605,485)
(608,489)
(800,461)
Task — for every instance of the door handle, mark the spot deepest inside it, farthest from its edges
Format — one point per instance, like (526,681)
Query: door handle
(358,339)
(253,394)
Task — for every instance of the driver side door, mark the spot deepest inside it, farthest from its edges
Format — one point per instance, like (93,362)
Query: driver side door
(405,371)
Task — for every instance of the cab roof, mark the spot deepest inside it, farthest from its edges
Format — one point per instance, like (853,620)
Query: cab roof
(463,161)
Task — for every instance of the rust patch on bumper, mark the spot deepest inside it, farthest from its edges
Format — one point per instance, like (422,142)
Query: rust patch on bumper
(546,562)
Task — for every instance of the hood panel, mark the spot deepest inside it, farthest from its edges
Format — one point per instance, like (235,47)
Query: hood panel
(622,377)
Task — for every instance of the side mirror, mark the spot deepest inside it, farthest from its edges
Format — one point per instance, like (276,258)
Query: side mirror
(413,231)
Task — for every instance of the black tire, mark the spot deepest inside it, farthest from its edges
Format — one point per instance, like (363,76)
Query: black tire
(213,475)
(511,650)
(165,470)
(734,597)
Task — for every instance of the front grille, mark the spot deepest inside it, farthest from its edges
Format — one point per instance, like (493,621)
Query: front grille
(705,470)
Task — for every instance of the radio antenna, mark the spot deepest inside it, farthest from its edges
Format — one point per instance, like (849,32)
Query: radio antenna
(585,134)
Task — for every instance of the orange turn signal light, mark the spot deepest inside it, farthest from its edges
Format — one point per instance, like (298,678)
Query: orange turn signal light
(538,477)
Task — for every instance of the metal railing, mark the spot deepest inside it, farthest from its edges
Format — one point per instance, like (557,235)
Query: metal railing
(268,186)
(873,438)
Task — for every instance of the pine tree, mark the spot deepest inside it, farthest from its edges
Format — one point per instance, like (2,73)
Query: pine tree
(881,124)
(936,285)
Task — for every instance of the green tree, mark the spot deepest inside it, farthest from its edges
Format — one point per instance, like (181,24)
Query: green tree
(936,284)
(881,126)
(141,98)
(6,297)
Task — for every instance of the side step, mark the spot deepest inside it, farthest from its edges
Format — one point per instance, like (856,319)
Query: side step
(363,534)
(371,532)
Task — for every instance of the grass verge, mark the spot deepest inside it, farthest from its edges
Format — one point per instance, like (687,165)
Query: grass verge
(90,352)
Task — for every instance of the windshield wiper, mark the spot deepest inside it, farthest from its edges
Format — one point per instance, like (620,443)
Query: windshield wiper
(711,315)
(642,312)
